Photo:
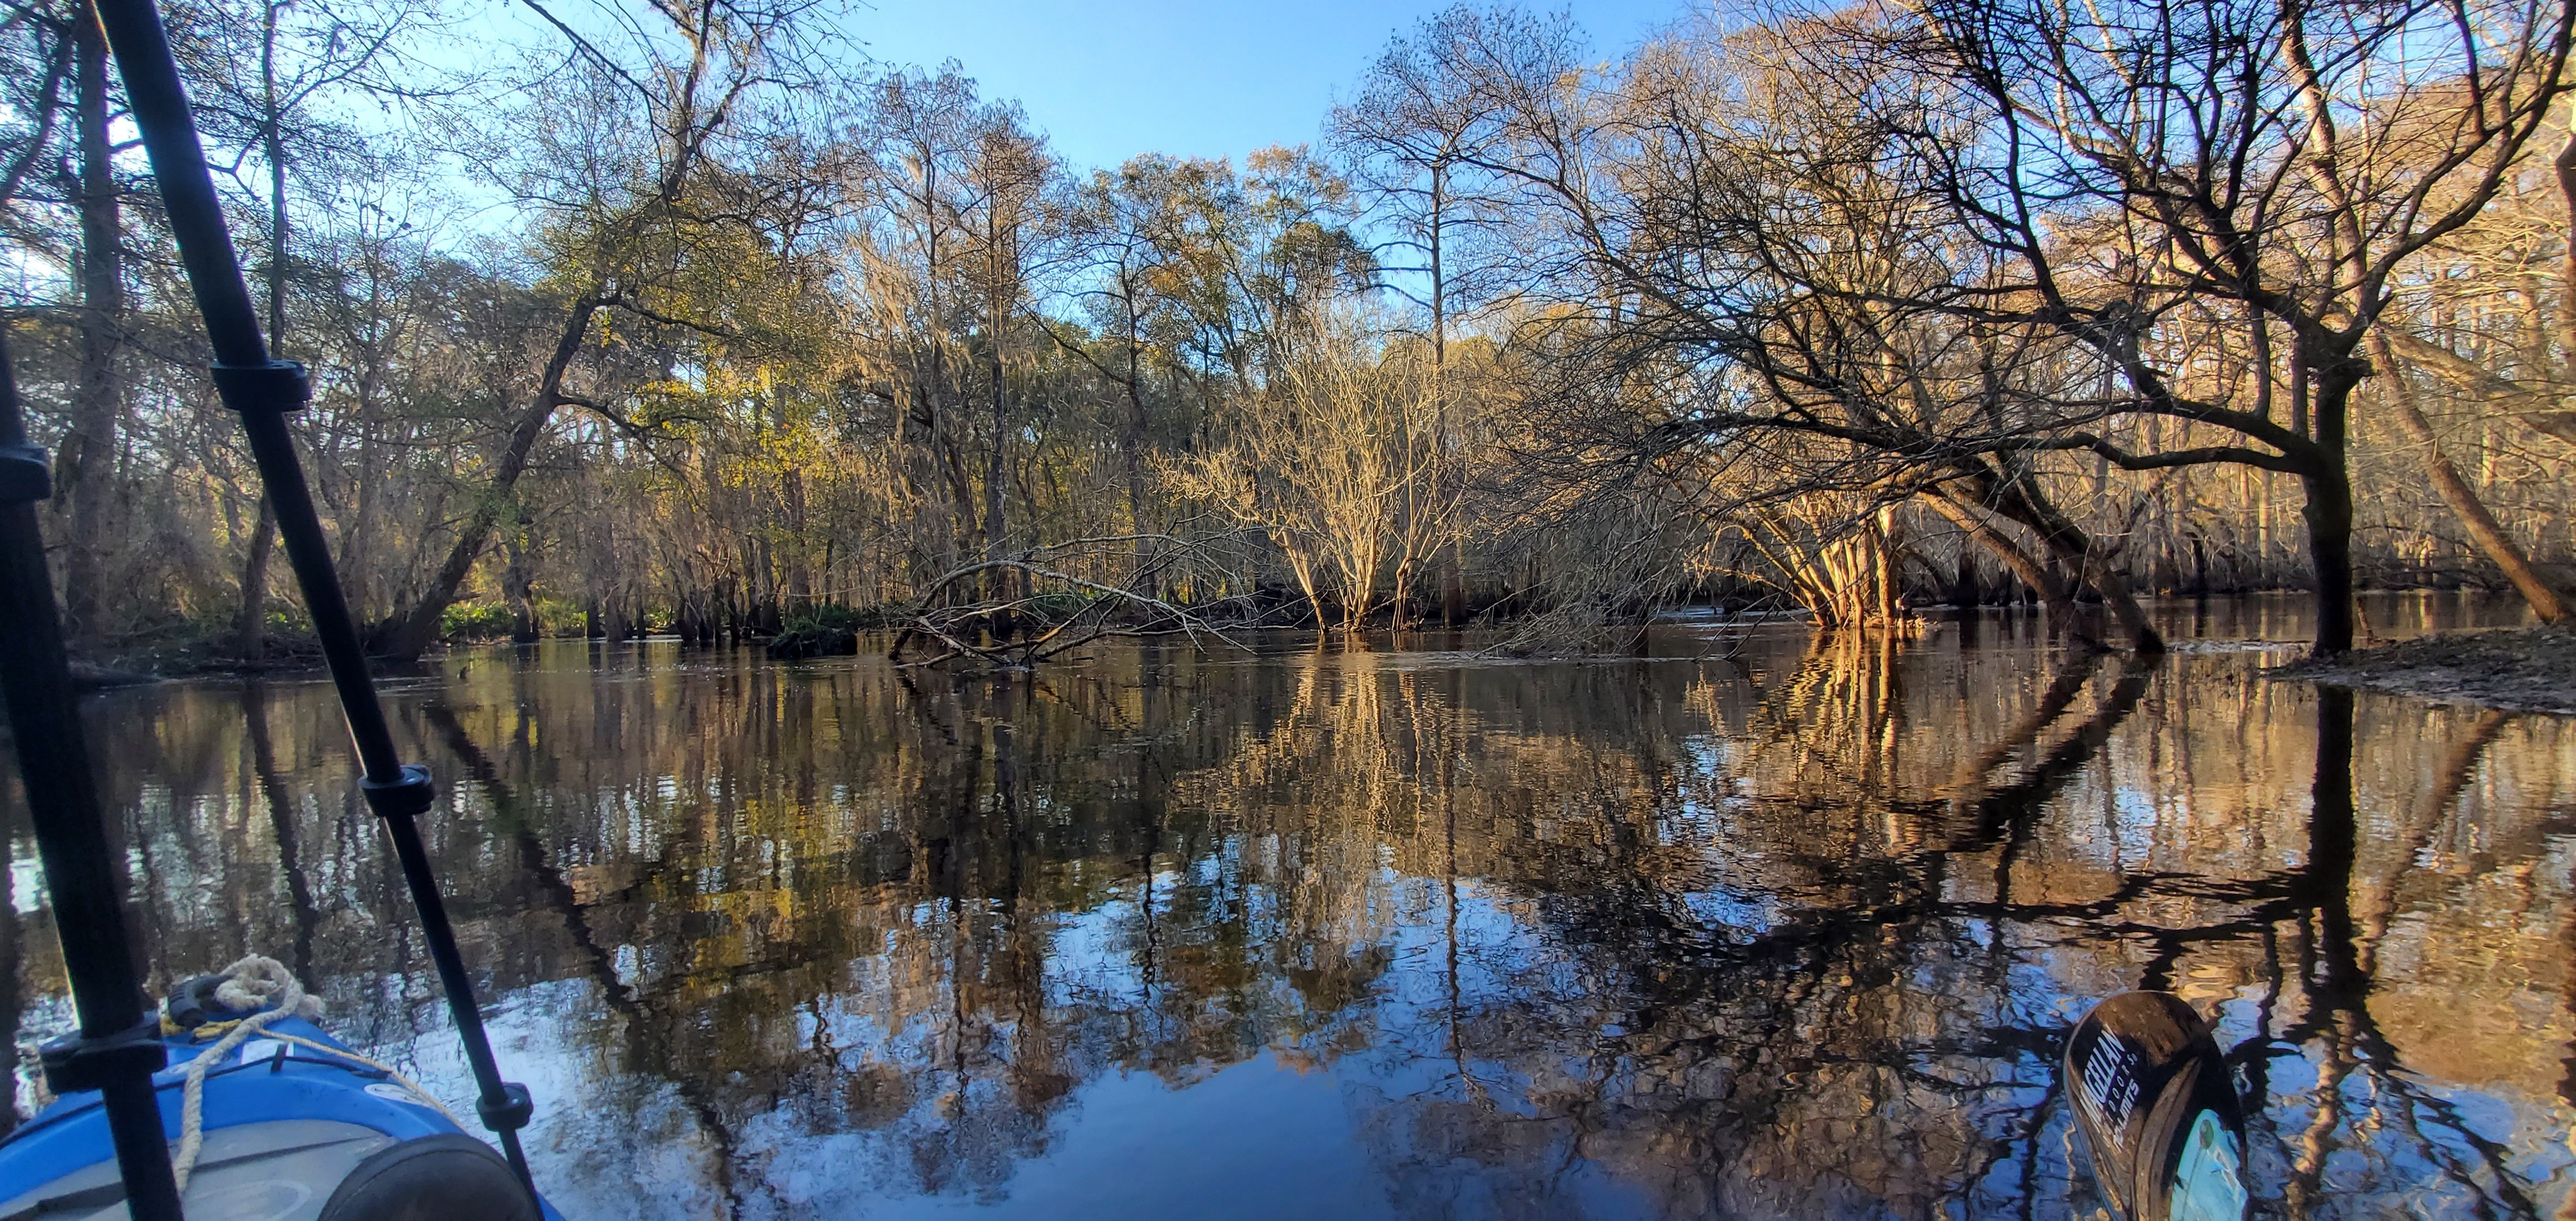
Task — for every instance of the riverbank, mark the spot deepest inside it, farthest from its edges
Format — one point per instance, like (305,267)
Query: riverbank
(2530,670)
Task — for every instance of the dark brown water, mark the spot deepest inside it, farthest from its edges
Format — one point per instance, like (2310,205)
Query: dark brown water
(1409,933)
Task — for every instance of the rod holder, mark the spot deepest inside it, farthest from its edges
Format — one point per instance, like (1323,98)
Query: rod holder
(407,797)
(277,385)
(511,1113)
(26,474)
(77,1062)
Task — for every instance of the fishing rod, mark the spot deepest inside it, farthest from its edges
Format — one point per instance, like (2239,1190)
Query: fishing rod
(118,1046)
(263,391)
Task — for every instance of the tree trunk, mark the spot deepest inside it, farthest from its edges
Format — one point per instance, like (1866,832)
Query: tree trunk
(2107,580)
(2484,530)
(98,397)
(2069,545)
(1883,570)
(1453,582)
(1452,558)
(249,630)
(1131,446)
(2019,499)
(2329,517)
(1964,591)
(1960,507)
(410,632)
(2565,164)
(516,590)
(254,580)
(997,531)
(1304,568)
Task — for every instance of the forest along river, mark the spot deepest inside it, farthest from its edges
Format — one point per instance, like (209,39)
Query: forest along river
(1406,933)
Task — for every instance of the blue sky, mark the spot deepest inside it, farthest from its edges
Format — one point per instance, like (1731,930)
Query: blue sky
(1108,79)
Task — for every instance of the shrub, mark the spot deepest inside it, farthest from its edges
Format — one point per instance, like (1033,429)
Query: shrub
(475,621)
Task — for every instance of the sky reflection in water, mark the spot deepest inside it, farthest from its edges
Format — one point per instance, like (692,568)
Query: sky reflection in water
(1406,934)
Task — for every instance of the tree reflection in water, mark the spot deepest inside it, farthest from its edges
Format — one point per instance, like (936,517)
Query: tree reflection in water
(1421,934)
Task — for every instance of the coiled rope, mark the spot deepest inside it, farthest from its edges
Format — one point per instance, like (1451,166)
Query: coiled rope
(264,986)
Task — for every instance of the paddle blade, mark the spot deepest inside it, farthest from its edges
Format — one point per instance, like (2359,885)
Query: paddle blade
(2158,1110)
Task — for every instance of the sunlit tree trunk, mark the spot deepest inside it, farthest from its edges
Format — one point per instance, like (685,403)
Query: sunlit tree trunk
(2484,530)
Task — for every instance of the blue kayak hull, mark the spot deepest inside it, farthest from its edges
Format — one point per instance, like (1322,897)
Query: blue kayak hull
(290,1113)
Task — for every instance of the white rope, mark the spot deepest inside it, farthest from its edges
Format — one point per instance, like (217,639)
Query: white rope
(256,982)
(265,986)
(378,1065)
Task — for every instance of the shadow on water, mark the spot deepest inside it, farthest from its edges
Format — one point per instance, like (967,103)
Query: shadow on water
(282,827)
(1792,931)
(646,1042)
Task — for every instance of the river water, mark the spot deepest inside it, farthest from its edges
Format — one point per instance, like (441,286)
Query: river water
(1758,926)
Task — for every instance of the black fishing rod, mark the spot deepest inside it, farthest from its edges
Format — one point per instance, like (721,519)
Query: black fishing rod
(118,1046)
(262,391)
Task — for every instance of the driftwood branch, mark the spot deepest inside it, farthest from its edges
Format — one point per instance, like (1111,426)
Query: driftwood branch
(1030,627)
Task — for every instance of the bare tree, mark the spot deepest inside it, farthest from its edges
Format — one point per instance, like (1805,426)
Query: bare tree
(1340,469)
(683,100)
(272,67)
(2066,190)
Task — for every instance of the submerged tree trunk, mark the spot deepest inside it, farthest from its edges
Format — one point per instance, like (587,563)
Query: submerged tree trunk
(2019,499)
(1961,510)
(1966,590)
(517,583)
(2086,562)
(2329,513)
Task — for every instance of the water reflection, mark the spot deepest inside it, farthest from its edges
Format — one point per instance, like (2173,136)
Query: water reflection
(1791,932)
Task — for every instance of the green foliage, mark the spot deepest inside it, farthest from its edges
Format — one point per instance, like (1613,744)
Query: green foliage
(475,621)
(835,617)
(558,617)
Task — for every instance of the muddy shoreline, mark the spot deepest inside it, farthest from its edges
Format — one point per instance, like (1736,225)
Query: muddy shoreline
(2527,670)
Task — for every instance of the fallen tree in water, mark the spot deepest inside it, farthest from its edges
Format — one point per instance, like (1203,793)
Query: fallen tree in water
(1019,610)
